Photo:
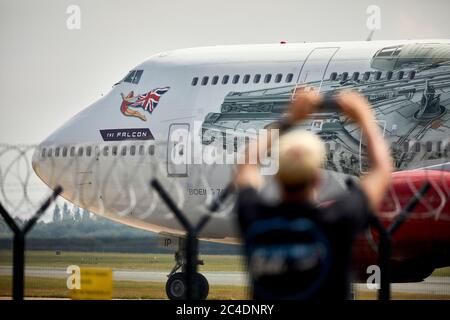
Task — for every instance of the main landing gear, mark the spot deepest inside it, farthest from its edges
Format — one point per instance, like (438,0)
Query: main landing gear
(176,282)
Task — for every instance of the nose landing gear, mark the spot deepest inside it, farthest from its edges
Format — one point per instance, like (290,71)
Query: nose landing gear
(176,286)
(176,282)
(188,284)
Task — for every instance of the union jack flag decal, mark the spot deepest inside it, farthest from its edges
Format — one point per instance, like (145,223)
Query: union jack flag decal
(148,101)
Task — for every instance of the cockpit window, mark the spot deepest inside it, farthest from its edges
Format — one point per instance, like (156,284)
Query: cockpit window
(137,76)
(134,76)
(130,76)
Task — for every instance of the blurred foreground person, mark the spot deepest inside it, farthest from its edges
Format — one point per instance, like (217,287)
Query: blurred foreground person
(296,249)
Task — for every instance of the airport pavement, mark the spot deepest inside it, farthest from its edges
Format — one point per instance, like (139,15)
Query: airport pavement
(217,277)
(431,285)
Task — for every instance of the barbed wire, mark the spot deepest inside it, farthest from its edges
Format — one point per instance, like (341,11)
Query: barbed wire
(109,178)
(97,182)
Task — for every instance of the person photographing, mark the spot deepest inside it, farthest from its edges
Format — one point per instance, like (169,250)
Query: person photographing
(290,224)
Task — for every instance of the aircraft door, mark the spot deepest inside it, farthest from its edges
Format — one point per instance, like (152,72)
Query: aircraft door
(178,144)
(315,67)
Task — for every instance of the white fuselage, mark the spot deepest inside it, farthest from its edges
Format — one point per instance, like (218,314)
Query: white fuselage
(115,183)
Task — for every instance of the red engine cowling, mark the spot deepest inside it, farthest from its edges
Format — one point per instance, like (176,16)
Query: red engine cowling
(422,243)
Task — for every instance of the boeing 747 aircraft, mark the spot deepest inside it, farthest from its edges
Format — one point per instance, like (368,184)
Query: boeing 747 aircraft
(175,111)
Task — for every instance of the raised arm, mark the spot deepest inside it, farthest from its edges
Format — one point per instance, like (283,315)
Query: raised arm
(306,101)
(376,181)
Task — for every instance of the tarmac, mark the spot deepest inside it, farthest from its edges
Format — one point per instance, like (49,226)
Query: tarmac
(431,285)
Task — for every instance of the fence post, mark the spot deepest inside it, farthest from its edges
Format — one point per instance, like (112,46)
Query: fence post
(19,243)
(18,265)
(191,252)
(385,242)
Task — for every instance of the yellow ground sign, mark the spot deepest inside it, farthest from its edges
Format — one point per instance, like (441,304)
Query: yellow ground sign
(95,284)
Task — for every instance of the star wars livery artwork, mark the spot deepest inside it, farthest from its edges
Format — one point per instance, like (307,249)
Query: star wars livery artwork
(408,86)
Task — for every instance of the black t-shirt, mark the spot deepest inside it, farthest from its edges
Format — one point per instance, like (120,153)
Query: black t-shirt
(340,221)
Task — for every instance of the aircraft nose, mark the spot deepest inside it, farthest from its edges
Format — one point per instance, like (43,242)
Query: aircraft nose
(43,162)
(35,160)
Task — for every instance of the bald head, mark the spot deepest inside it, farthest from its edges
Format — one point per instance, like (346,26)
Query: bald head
(301,156)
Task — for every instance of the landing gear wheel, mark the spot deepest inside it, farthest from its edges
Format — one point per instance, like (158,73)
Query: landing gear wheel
(176,286)
(202,285)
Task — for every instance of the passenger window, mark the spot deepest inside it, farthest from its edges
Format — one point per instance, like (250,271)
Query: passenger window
(429,146)
(80,151)
(64,152)
(366,76)
(141,150)
(278,78)
(49,152)
(57,152)
(225,79)
(257,78)
(214,80)
(337,146)
(236,78)
(405,147)
(355,76)
(194,81)
(289,77)
(205,81)
(267,78)
(72,151)
(344,76)
(333,76)
(417,147)
(105,151)
(43,152)
(137,76)
(389,75)
(378,75)
(400,75)
(88,151)
(246,78)
(412,75)
(124,150)
(114,151)
(151,150)
(133,150)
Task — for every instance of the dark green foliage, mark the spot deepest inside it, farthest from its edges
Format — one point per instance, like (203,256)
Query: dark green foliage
(85,232)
